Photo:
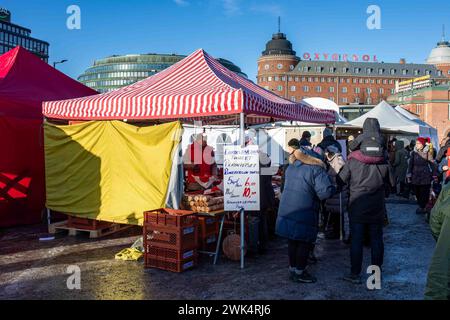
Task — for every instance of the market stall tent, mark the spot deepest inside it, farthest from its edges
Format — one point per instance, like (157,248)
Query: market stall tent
(425,129)
(392,120)
(196,88)
(26,81)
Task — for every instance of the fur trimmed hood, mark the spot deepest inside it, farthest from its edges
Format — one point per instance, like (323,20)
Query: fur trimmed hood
(306,159)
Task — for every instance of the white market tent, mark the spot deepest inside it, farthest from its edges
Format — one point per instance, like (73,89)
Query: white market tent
(393,120)
(426,129)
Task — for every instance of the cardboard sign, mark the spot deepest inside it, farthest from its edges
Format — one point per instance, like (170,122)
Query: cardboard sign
(241,178)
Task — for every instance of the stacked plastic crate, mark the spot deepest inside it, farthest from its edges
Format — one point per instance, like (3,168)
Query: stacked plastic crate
(170,240)
(208,233)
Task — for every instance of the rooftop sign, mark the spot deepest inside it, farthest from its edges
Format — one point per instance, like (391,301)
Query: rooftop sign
(339,57)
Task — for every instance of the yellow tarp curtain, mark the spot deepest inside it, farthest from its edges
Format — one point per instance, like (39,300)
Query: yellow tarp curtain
(109,170)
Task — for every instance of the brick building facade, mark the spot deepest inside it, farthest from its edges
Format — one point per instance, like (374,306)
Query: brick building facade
(345,82)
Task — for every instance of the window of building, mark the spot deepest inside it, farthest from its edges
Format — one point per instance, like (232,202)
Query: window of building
(384,81)
(329,79)
(404,72)
(266,67)
(316,79)
(291,67)
(380,71)
(279,66)
(357,90)
(310,79)
(322,79)
(269,79)
(305,89)
(372,81)
(439,73)
(283,78)
(428,72)
(344,100)
(318,89)
(331,98)
(290,79)
(369,70)
(357,99)
(348,80)
(361,80)
(392,91)
(344,89)
(332,70)
(280,88)
(293,99)
(378,81)
(344,70)
(275,79)
(448,72)
(319,69)
(303,79)
(391,81)
(416,72)
(369,100)
(393,71)
(293,88)
(381,90)
(369,90)
(331,89)
(357,70)
(355,80)
(366,81)
(297,79)
(306,68)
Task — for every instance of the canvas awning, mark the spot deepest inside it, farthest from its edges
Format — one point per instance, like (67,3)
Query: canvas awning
(198,87)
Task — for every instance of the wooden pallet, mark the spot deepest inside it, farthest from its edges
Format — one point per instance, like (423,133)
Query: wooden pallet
(93,234)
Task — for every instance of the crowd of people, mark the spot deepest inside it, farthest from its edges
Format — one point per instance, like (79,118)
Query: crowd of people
(319,185)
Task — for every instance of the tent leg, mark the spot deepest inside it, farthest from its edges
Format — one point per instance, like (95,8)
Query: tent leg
(242,213)
(48,217)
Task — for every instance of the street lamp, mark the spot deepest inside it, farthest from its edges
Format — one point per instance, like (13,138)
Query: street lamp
(59,62)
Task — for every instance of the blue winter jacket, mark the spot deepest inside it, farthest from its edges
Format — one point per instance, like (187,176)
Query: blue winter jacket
(305,185)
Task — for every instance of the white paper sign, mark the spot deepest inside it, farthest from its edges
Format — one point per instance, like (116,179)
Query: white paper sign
(241,178)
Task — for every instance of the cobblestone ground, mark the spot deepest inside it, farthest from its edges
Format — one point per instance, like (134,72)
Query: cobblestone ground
(30,269)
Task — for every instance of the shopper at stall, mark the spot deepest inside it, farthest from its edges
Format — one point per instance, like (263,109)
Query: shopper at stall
(199,164)
(329,140)
(366,176)
(305,140)
(305,186)
(438,282)
(421,171)
(258,220)
(400,166)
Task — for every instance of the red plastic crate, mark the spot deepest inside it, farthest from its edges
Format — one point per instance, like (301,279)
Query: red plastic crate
(209,243)
(169,217)
(87,224)
(173,266)
(180,239)
(207,226)
(169,254)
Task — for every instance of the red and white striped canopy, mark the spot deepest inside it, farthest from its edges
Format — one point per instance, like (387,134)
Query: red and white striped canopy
(197,87)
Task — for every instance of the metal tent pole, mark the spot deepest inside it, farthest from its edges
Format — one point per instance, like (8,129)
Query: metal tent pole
(242,211)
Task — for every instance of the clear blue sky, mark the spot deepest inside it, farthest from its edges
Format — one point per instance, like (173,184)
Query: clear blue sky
(233,29)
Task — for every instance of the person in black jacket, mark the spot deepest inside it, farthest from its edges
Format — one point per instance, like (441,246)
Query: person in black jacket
(366,177)
(329,140)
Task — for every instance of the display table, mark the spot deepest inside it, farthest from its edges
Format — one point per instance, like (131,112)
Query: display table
(215,214)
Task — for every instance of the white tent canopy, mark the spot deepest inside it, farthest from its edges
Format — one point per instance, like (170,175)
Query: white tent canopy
(392,119)
(425,129)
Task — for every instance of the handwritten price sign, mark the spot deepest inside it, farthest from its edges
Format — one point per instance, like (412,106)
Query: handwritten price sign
(241,178)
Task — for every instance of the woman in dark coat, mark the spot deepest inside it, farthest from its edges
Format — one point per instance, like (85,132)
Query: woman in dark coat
(421,171)
(305,186)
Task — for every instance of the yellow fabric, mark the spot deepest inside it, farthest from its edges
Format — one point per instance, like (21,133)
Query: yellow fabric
(130,254)
(109,170)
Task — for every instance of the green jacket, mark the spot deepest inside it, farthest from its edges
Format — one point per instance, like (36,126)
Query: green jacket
(438,282)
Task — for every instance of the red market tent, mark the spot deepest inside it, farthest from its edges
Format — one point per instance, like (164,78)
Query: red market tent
(198,87)
(26,81)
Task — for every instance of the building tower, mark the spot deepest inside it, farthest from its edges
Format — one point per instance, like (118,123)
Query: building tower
(277,59)
(440,55)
